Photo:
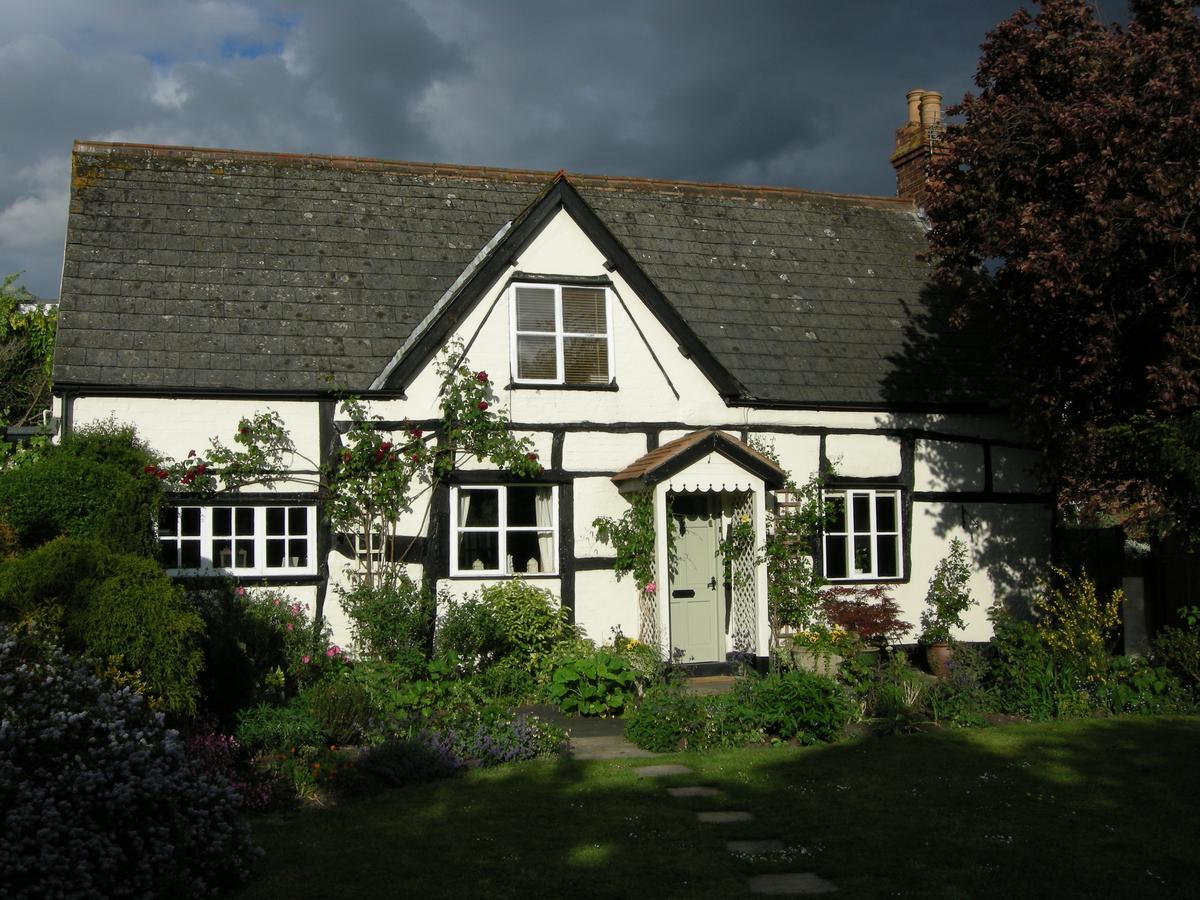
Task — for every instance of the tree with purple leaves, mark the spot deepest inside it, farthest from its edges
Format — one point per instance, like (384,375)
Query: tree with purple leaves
(1066,210)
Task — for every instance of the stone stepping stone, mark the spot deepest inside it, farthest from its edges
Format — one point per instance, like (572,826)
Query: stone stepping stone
(695,791)
(721,817)
(662,771)
(752,848)
(791,884)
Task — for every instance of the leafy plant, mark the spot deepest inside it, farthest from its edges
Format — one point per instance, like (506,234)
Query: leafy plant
(27,329)
(947,598)
(632,536)
(1075,624)
(342,705)
(596,685)
(666,719)
(801,705)
(529,619)
(1028,680)
(1133,685)
(391,621)
(278,729)
(1179,650)
(961,698)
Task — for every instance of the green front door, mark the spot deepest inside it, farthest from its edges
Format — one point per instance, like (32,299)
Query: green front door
(695,595)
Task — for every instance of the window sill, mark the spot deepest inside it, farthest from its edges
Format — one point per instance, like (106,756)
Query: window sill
(894,579)
(526,386)
(210,575)
(502,576)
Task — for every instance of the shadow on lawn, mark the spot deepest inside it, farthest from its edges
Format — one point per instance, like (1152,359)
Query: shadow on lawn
(1100,808)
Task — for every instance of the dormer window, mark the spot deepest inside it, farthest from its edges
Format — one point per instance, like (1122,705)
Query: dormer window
(561,334)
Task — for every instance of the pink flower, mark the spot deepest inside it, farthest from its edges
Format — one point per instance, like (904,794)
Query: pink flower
(651,587)
(304,659)
(333,651)
(290,626)
(240,591)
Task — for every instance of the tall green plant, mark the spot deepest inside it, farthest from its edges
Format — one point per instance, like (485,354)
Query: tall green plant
(27,330)
(947,598)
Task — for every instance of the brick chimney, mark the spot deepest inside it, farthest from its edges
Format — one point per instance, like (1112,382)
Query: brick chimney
(917,141)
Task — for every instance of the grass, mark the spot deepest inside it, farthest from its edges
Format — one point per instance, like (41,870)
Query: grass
(1068,809)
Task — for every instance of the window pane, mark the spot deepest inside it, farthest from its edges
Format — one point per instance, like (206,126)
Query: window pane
(223,554)
(885,512)
(522,506)
(478,509)
(478,550)
(535,309)
(888,547)
(583,310)
(862,553)
(244,557)
(297,521)
(189,520)
(835,513)
(168,521)
(585,360)
(170,554)
(536,357)
(245,520)
(527,554)
(222,520)
(275,516)
(835,557)
(297,552)
(275,553)
(861,512)
(189,554)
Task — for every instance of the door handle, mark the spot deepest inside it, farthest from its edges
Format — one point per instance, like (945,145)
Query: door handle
(712,583)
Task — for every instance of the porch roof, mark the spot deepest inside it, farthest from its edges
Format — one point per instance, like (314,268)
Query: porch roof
(674,456)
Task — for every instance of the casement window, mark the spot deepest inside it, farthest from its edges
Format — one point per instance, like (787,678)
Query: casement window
(239,540)
(503,529)
(862,534)
(561,334)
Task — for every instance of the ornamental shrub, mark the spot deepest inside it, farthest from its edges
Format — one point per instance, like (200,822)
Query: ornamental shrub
(402,761)
(1179,650)
(1076,625)
(114,607)
(97,797)
(267,728)
(391,621)
(801,705)
(92,485)
(667,719)
(484,739)
(470,629)
(342,705)
(530,619)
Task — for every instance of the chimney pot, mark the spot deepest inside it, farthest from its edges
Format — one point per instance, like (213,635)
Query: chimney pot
(914,105)
(931,109)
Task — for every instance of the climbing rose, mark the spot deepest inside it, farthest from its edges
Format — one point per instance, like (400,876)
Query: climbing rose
(482,377)
(651,587)
(416,432)
(483,405)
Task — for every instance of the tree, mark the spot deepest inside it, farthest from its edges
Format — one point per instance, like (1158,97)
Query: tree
(26,353)
(1066,210)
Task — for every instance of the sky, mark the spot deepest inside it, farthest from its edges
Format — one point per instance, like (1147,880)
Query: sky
(776,92)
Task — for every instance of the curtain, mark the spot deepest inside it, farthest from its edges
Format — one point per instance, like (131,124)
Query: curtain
(544,510)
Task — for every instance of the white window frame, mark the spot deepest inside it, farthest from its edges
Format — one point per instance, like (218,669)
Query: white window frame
(559,334)
(502,527)
(208,563)
(853,529)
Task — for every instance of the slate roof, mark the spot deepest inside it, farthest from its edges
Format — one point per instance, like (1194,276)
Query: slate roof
(190,269)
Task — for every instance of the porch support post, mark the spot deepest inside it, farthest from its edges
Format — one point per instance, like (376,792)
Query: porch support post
(662,567)
(762,642)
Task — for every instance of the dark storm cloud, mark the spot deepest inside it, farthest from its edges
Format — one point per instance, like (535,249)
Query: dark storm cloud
(793,93)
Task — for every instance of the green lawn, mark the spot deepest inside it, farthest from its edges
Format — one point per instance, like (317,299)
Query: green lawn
(1098,808)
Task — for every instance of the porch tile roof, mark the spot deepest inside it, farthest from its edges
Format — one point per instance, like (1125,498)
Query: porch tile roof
(675,455)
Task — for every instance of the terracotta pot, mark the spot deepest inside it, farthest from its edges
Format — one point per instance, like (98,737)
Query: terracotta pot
(938,656)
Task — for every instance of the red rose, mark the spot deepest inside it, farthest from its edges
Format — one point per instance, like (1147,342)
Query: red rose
(416,457)
(201,469)
(482,377)
(483,405)
(149,469)
(416,432)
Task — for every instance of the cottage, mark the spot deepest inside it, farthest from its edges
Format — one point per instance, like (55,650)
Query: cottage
(645,335)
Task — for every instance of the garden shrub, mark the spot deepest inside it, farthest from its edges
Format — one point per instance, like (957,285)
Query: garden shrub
(1078,627)
(596,685)
(1178,648)
(342,705)
(402,761)
(870,612)
(221,756)
(530,620)
(469,629)
(267,728)
(644,659)
(307,650)
(491,740)
(92,485)
(1133,685)
(509,682)
(99,798)
(110,606)
(801,705)
(961,697)
(391,621)
(667,719)
(1027,679)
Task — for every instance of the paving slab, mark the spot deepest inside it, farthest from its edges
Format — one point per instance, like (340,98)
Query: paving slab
(605,747)
(694,791)
(662,771)
(723,816)
(792,884)
(767,845)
